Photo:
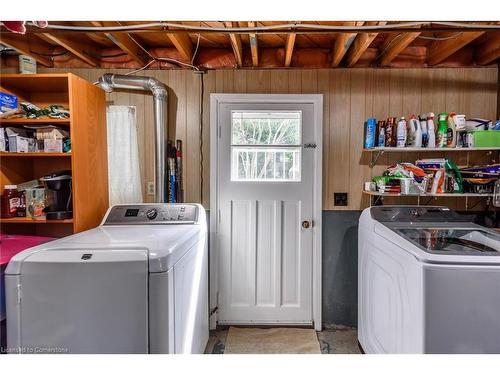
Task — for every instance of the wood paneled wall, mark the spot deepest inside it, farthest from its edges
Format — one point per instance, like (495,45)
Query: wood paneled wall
(350,96)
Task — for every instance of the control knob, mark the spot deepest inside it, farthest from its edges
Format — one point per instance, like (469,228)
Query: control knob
(151,214)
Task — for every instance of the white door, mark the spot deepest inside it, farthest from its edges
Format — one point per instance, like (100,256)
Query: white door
(267,179)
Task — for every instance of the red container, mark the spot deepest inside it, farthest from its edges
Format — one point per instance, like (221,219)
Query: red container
(10,200)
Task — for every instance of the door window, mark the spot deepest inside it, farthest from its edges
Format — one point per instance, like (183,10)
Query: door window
(266,146)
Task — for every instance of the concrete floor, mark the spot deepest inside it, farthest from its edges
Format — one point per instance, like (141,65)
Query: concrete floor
(334,340)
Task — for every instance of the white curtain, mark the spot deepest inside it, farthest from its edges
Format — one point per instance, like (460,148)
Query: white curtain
(124,176)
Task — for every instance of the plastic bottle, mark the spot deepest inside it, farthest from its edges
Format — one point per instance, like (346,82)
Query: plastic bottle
(442,130)
(402,132)
(415,132)
(451,135)
(423,127)
(431,130)
(381,133)
(10,201)
(371,128)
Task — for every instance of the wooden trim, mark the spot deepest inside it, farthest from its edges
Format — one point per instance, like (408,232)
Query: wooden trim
(441,50)
(254,46)
(183,44)
(236,45)
(395,45)
(78,49)
(23,46)
(290,42)
(360,44)
(489,51)
(342,43)
(124,41)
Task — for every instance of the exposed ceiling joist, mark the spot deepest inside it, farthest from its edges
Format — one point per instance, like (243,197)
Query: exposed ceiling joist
(236,45)
(289,44)
(343,42)
(124,42)
(80,50)
(183,44)
(360,44)
(24,46)
(441,50)
(394,45)
(489,51)
(254,47)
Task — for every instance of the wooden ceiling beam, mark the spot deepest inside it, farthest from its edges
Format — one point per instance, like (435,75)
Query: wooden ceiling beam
(395,45)
(360,44)
(24,46)
(254,46)
(289,44)
(80,50)
(441,50)
(124,42)
(342,43)
(236,45)
(183,44)
(489,51)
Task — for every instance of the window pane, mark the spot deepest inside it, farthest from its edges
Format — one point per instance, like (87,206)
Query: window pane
(266,128)
(265,164)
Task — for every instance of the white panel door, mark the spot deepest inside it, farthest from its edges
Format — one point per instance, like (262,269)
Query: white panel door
(266,219)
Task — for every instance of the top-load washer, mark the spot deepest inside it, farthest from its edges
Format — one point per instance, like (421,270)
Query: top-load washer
(428,282)
(138,283)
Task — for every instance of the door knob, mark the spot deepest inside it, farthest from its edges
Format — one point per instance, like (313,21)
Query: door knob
(306,224)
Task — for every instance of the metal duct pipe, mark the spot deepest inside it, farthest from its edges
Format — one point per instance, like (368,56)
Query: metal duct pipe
(109,82)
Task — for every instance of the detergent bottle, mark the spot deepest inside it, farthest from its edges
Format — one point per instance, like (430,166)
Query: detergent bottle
(442,131)
(431,130)
(402,133)
(415,132)
(423,127)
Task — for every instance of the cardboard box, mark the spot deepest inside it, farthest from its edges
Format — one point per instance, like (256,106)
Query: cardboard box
(19,140)
(3,140)
(52,145)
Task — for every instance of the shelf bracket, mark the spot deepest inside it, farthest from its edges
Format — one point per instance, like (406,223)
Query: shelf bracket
(377,156)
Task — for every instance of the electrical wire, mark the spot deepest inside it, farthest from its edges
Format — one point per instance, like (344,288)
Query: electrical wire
(202,91)
(49,54)
(284,26)
(105,56)
(140,69)
(196,49)
(439,38)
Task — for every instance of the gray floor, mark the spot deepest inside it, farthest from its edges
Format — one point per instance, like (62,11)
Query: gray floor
(335,340)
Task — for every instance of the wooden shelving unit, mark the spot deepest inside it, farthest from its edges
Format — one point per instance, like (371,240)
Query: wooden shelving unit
(27,220)
(87,159)
(35,154)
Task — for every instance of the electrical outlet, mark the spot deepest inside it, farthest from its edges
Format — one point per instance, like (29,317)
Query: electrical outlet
(340,199)
(151,188)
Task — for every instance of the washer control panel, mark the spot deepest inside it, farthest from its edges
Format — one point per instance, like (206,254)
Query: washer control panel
(154,213)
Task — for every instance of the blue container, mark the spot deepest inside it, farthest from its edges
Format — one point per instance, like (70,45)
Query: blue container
(370,132)
(7,102)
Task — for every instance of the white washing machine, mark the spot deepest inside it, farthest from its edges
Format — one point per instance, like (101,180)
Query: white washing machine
(138,283)
(428,282)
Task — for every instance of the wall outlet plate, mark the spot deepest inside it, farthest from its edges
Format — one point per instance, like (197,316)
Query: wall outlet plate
(340,199)
(151,188)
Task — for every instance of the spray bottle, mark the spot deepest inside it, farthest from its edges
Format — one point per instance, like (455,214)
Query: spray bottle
(442,131)
(415,132)
(402,133)
(431,130)
(423,126)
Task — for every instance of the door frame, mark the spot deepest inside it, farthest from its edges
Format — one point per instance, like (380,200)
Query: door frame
(317,101)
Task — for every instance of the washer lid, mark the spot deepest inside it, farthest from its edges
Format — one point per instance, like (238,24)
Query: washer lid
(452,241)
(165,244)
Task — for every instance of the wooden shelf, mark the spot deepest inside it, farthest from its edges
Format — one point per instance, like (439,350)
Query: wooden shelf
(34,121)
(452,195)
(425,149)
(35,154)
(27,220)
